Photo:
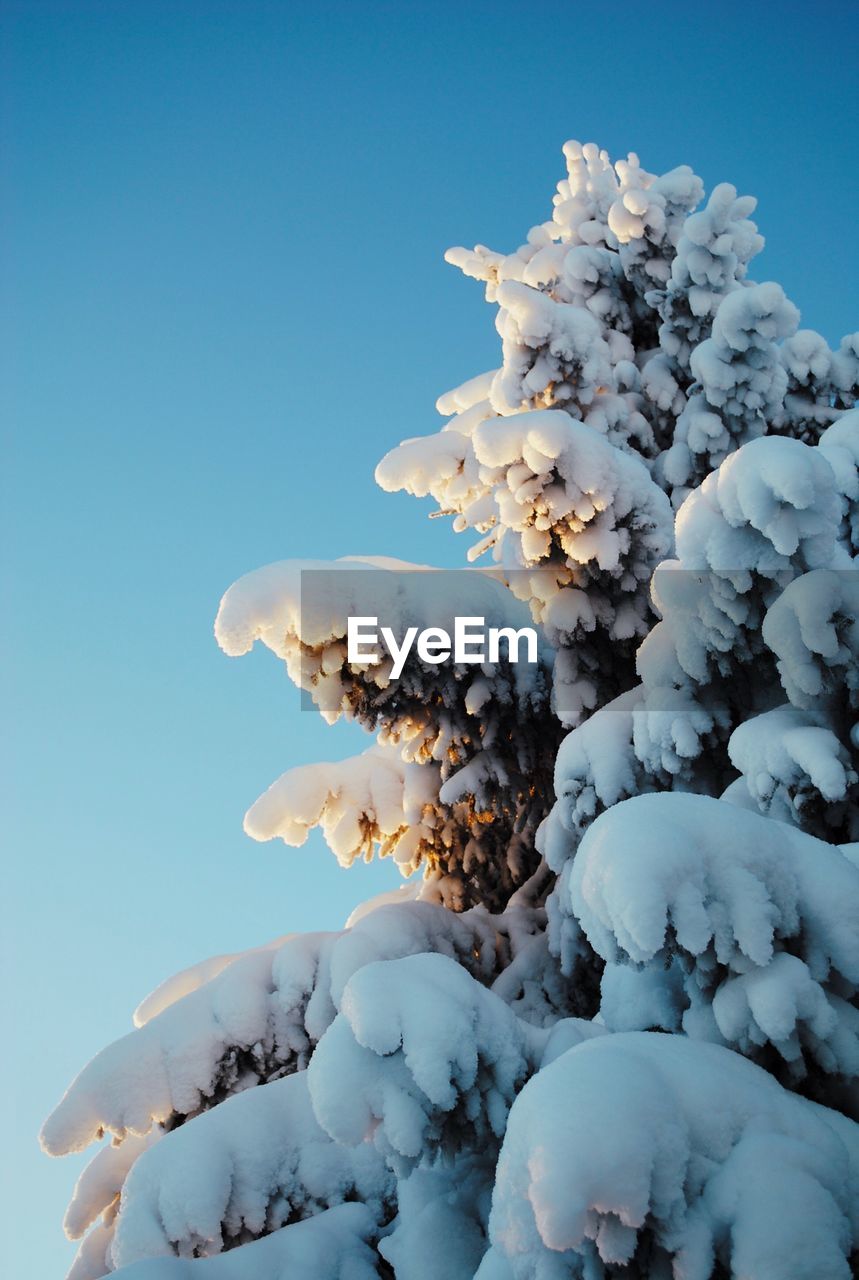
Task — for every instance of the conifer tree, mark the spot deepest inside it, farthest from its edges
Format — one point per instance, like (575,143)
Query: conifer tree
(609,1027)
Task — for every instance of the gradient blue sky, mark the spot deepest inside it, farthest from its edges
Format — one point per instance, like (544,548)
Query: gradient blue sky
(224,300)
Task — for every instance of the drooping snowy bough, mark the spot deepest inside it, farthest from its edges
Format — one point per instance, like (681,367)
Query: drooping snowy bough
(610,1025)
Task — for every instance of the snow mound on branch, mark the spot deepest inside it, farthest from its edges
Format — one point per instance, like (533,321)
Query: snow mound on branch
(478,722)
(180,984)
(585,526)
(257,1019)
(807,358)
(738,367)
(308,630)
(713,252)
(813,629)
(563,504)
(715,876)
(795,769)
(168,1065)
(332,1246)
(544,341)
(769,513)
(244,1169)
(440,1229)
(840,446)
(732,893)
(431,1056)
(268,605)
(466,395)
(374,798)
(741,378)
(845,371)
(652,1150)
(92,1260)
(98,1188)
(594,769)
(380,801)
(772,501)
(554,477)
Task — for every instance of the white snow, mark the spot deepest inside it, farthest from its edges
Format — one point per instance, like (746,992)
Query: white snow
(578,1046)
(630,1136)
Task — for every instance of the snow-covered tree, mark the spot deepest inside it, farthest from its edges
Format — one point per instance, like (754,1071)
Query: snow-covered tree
(609,1027)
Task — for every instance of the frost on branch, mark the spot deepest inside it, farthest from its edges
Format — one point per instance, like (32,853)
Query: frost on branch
(650,1155)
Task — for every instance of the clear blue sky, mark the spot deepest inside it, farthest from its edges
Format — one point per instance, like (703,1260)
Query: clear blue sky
(224,300)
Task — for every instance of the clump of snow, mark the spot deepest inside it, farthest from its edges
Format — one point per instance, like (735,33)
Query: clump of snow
(244,1169)
(465,721)
(713,253)
(254,1021)
(432,1057)
(668,1157)
(813,629)
(373,799)
(732,893)
(840,446)
(797,771)
(335,1245)
(440,1228)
